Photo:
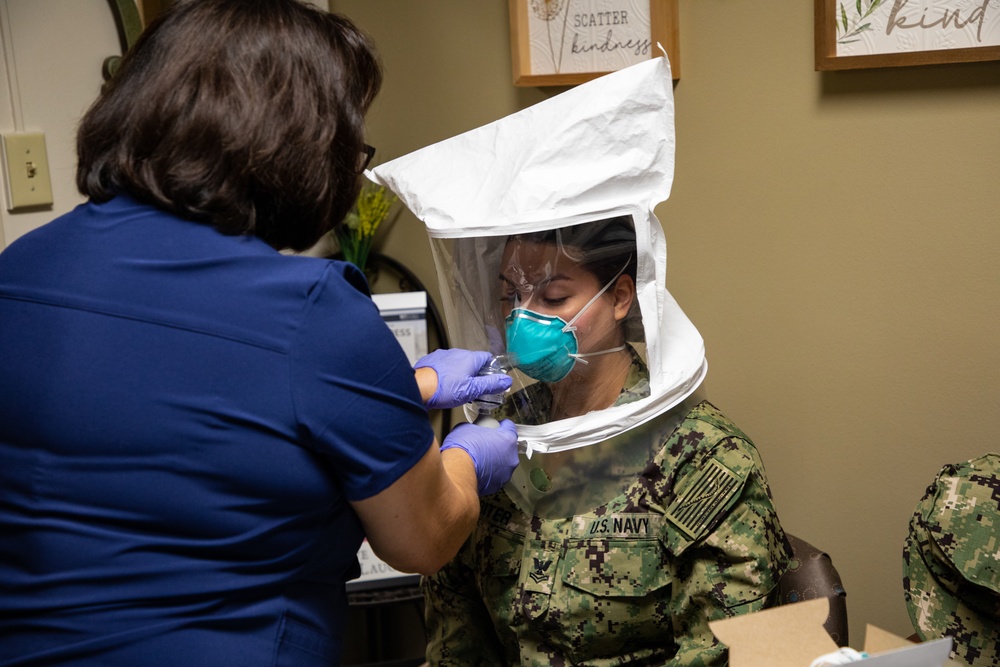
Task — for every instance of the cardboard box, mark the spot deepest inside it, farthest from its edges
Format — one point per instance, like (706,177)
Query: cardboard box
(792,635)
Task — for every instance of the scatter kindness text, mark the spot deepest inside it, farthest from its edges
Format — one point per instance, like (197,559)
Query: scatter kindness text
(616,37)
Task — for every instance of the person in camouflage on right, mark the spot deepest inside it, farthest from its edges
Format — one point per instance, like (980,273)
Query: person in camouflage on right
(951,561)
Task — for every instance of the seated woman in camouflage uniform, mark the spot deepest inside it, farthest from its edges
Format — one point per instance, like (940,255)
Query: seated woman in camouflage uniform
(620,551)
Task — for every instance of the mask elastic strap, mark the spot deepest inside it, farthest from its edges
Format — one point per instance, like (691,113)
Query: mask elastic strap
(580,355)
(569,325)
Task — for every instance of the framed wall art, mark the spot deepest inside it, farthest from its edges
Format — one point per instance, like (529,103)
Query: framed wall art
(565,42)
(856,34)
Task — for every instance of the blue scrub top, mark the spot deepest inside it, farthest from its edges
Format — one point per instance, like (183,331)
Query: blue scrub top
(184,416)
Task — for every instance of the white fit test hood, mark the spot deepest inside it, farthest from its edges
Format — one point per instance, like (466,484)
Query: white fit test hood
(600,150)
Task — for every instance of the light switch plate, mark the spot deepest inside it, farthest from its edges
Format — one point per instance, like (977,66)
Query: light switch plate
(26,171)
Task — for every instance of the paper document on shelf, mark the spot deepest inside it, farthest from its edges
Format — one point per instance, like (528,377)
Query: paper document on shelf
(405,313)
(374,568)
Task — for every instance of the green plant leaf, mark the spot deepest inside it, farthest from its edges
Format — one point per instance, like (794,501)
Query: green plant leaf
(843,16)
(858,30)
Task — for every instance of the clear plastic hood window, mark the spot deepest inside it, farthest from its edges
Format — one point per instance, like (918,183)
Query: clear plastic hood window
(559,308)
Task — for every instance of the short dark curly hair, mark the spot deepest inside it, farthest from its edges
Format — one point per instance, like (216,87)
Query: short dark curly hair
(244,114)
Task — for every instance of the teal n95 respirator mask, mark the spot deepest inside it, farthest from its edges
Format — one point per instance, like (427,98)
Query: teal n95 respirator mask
(545,347)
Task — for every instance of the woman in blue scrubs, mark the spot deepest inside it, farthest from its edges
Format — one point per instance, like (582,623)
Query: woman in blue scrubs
(197,430)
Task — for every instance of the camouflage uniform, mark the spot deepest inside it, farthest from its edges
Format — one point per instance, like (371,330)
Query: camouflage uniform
(693,538)
(951,561)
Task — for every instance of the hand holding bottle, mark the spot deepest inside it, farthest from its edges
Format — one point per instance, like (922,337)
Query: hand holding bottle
(458,382)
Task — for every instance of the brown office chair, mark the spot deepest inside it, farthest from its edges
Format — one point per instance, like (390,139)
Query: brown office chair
(811,576)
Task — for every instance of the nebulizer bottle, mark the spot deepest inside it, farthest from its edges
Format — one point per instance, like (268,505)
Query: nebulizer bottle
(487,404)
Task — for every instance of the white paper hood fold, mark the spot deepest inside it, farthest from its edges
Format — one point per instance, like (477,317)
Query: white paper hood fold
(588,149)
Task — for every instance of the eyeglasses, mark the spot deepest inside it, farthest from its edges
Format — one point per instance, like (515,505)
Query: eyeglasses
(365,157)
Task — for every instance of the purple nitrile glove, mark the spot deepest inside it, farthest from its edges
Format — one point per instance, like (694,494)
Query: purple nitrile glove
(457,381)
(493,452)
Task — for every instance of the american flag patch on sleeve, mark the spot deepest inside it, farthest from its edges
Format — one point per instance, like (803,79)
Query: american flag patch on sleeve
(704,497)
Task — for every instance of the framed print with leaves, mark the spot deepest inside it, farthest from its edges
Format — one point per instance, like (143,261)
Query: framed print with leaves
(856,34)
(565,42)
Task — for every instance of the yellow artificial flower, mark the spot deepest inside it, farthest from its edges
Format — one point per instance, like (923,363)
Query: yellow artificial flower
(357,232)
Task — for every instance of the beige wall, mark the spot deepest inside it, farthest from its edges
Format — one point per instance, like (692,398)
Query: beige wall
(833,236)
(52,56)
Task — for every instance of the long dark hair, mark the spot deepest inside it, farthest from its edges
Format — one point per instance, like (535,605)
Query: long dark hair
(244,114)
